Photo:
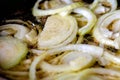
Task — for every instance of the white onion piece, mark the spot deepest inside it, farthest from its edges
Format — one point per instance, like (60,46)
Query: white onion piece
(32,70)
(72,61)
(90,49)
(21,30)
(71,56)
(103,23)
(91,18)
(58,30)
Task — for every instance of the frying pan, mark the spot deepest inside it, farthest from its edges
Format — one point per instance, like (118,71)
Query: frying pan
(20,9)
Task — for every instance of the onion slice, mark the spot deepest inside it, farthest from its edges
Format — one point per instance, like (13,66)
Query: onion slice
(32,71)
(72,61)
(20,30)
(12,51)
(39,12)
(90,17)
(58,31)
(100,29)
(90,49)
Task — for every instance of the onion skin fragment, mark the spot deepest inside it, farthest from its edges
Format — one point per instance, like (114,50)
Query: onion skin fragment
(32,71)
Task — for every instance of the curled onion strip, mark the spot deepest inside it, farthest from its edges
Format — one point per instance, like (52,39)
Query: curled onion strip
(32,71)
(101,28)
(90,49)
(72,61)
(90,17)
(39,12)
(21,30)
